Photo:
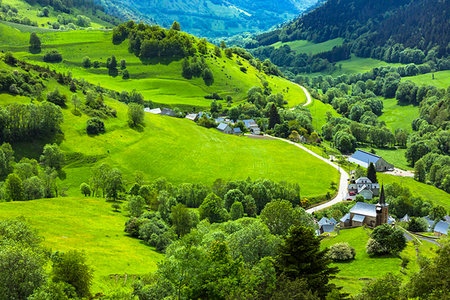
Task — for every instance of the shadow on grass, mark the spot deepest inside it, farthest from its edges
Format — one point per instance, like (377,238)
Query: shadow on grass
(33,148)
(159,60)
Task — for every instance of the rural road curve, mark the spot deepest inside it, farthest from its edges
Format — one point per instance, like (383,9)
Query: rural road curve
(343,182)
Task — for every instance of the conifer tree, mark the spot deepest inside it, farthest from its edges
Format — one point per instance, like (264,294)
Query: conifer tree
(372,173)
(274,117)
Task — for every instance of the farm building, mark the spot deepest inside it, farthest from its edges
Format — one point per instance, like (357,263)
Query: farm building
(368,214)
(225,128)
(237,131)
(364,158)
(192,117)
(155,111)
(441,228)
(167,112)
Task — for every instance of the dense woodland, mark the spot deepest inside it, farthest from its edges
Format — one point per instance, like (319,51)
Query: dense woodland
(394,31)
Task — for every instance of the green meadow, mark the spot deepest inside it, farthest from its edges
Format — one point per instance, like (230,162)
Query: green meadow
(441,79)
(353,275)
(319,111)
(418,189)
(158,80)
(89,225)
(304,46)
(397,115)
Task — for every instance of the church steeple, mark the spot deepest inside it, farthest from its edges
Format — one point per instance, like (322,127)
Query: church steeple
(382,198)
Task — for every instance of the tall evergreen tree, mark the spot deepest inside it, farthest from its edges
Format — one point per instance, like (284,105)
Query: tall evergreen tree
(300,257)
(372,173)
(274,117)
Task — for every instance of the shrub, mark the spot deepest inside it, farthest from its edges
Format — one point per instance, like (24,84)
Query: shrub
(341,252)
(95,126)
(85,189)
(243,69)
(57,98)
(53,56)
(418,225)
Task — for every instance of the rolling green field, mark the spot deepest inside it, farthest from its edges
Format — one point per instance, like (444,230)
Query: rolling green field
(304,46)
(418,189)
(30,11)
(318,111)
(366,267)
(88,225)
(398,116)
(158,80)
(441,79)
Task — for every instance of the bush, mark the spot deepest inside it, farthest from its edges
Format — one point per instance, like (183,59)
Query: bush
(243,69)
(85,189)
(418,225)
(95,126)
(341,252)
(53,57)
(57,98)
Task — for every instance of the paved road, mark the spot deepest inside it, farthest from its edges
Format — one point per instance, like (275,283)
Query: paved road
(308,96)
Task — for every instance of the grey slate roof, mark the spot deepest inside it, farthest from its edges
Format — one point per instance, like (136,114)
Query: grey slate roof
(323,221)
(391,220)
(333,221)
(328,228)
(345,218)
(429,221)
(366,209)
(237,130)
(441,227)
(358,218)
(222,126)
(405,218)
(364,158)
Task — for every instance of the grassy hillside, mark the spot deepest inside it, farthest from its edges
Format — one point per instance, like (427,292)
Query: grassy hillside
(426,191)
(177,149)
(304,46)
(319,111)
(363,266)
(89,225)
(398,116)
(158,80)
(441,79)
(26,10)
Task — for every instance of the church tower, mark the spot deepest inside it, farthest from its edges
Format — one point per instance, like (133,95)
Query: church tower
(382,209)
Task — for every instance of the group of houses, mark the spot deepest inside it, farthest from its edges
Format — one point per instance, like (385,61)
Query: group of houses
(439,228)
(225,126)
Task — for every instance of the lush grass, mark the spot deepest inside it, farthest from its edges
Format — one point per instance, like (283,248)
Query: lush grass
(159,80)
(319,111)
(365,266)
(441,79)
(88,225)
(30,11)
(398,116)
(418,189)
(182,151)
(393,156)
(304,46)
(177,149)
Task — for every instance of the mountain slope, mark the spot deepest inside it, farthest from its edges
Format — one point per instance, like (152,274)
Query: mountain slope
(211,17)
(369,24)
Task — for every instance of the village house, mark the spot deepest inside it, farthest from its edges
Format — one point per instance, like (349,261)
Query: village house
(326,225)
(364,158)
(441,228)
(192,117)
(368,214)
(155,111)
(251,125)
(225,128)
(365,187)
(237,131)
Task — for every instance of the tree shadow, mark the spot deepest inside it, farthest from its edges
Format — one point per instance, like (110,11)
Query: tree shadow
(159,60)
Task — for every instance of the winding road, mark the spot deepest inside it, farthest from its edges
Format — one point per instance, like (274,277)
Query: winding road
(343,182)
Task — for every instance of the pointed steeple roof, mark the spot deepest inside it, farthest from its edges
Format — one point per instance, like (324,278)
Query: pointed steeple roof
(382,197)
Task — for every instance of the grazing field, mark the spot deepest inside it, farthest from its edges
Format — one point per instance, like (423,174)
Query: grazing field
(353,275)
(398,116)
(182,151)
(319,111)
(418,189)
(441,79)
(304,46)
(89,225)
(158,80)
(392,156)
